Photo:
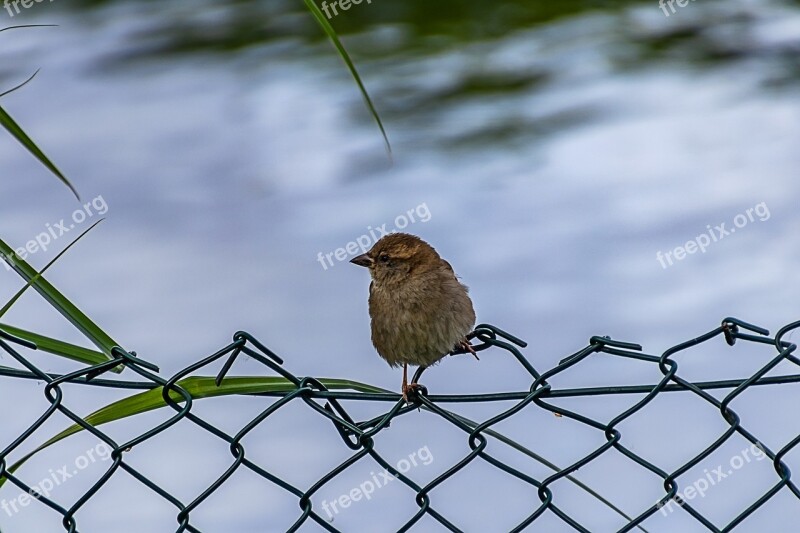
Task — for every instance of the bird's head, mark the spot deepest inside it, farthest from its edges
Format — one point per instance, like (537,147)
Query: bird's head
(396,256)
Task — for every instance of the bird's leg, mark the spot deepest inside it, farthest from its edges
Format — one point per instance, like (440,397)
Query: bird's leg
(406,385)
(466,346)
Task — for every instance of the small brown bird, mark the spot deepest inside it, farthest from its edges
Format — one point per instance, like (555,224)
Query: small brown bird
(420,311)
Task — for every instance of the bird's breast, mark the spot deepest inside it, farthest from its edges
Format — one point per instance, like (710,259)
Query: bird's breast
(417,326)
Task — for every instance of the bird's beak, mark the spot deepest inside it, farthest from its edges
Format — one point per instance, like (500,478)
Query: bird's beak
(363,260)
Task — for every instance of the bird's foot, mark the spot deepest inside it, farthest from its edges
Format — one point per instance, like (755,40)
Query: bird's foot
(410,389)
(467,347)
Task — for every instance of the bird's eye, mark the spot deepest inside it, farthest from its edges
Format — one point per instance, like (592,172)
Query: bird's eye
(384,258)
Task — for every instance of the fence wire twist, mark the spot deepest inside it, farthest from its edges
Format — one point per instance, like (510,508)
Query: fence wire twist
(360,436)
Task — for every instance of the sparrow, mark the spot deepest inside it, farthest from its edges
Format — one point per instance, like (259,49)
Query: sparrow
(419,310)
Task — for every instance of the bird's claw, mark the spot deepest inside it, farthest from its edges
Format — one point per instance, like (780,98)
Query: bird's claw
(467,347)
(410,391)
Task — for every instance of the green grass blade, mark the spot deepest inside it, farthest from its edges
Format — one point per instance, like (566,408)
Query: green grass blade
(57,347)
(20,85)
(16,131)
(92,332)
(205,387)
(198,387)
(13,128)
(533,455)
(331,33)
(19,294)
(28,26)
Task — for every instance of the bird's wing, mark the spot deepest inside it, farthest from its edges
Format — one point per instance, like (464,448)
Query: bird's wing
(450,268)
(456,276)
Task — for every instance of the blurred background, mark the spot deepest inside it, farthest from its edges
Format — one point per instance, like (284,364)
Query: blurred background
(557,147)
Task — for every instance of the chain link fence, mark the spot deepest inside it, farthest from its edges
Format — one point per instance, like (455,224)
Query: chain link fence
(181,395)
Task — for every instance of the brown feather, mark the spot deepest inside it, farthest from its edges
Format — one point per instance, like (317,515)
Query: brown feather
(419,309)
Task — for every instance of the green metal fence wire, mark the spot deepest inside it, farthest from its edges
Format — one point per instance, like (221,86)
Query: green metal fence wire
(359,436)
